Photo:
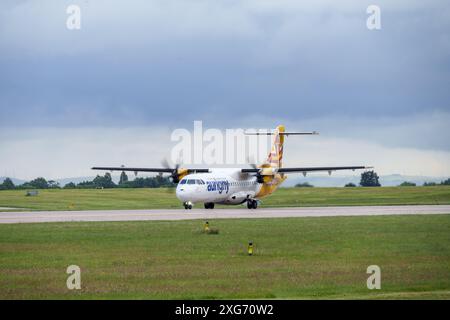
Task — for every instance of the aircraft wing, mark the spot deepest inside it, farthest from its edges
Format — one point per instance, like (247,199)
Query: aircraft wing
(307,169)
(162,170)
(313,169)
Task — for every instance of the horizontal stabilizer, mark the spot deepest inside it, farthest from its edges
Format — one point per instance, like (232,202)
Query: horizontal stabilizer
(281,133)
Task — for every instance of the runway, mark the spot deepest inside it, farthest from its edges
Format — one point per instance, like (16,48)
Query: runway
(231,213)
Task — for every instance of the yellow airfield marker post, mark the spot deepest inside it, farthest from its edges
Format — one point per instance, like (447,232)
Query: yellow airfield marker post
(250,248)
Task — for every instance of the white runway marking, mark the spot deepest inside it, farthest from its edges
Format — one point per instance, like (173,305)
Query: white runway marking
(232,213)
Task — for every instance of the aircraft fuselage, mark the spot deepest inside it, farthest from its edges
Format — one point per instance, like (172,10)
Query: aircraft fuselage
(222,186)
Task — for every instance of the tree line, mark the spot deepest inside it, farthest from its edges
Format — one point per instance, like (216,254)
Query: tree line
(368,179)
(371,179)
(99,182)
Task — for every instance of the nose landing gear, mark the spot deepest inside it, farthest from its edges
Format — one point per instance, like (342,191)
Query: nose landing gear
(252,204)
(187,205)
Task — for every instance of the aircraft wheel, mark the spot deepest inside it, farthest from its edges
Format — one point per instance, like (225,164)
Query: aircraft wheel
(209,205)
(249,204)
(187,205)
(254,204)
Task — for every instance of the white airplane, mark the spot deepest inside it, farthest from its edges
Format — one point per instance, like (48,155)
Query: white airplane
(237,185)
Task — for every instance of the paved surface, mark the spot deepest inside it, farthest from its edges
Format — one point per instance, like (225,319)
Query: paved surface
(232,213)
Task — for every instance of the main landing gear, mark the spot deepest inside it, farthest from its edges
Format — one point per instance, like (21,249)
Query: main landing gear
(187,205)
(252,204)
(209,205)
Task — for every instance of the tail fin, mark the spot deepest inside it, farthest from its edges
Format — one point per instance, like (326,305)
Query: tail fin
(276,153)
(275,157)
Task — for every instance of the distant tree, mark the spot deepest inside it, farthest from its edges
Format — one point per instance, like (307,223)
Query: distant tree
(149,182)
(53,184)
(350,184)
(70,185)
(407,184)
(25,185)
(7,184)
(39,183)
(304,185)
(104,182)
(108,181)
(139,183)
(429,184)
(369,179)
(86,185)
(123,178)
(446,182)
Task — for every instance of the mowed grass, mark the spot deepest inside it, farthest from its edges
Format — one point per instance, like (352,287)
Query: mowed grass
(305,258)
(165,198)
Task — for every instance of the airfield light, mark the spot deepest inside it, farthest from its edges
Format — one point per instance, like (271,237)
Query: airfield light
(250,248)
(206,227)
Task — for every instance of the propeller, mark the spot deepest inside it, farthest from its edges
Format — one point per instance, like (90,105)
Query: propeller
(174,177)
(259,177)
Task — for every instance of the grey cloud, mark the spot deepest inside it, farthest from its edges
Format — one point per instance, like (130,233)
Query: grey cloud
(152,62)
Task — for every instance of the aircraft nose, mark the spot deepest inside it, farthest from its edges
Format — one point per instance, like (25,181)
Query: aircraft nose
(181,192)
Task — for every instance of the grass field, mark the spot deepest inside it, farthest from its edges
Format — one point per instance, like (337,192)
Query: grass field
(164,198)
(295,258)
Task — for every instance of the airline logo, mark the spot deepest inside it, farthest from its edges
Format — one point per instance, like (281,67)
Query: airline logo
(276,153)
(220,186)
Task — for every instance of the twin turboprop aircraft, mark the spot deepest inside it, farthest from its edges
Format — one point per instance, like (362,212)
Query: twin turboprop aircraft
(234,186)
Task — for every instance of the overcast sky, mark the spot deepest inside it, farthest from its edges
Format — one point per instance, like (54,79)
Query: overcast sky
(111,92)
